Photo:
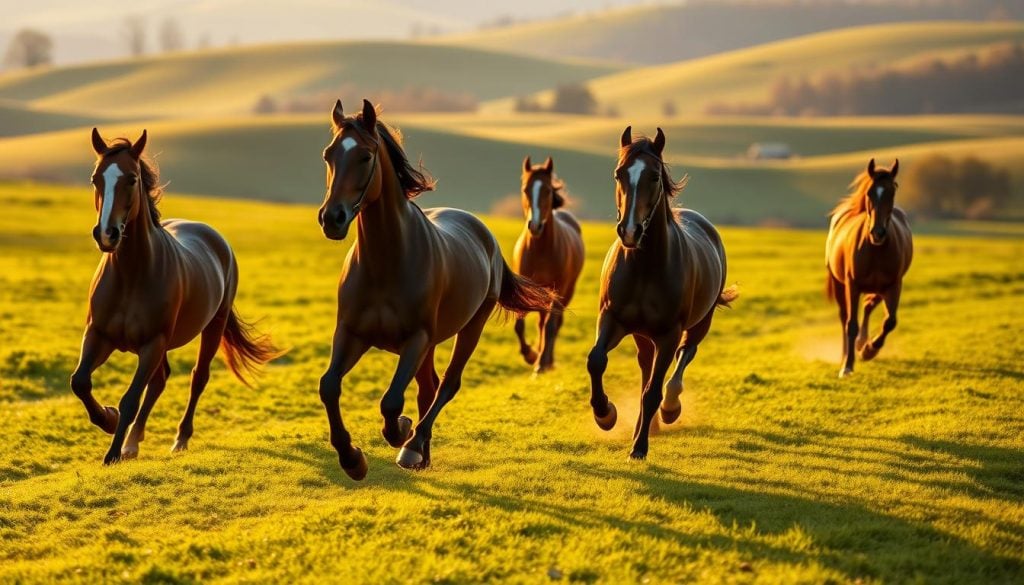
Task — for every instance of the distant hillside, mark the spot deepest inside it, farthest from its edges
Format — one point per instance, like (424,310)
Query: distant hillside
(663,34)
(748,75)
(478,160)
(230,81)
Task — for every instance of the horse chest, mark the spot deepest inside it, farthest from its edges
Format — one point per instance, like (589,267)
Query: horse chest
(379,324)
(645,308)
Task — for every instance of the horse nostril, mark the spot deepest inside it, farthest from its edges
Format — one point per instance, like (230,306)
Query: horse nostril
(340,217)
(619,229)
(113,233)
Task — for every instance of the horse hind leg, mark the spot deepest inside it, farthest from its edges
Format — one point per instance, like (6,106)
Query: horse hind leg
(665,349)
(398,428)
(870,302)
(208,344)
(671,407)
(137,433)
(528,353)
(416,452)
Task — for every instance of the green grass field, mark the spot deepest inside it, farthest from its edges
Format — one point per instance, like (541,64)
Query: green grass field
(911,471)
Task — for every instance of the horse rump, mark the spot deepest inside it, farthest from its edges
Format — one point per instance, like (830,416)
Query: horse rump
(245,348)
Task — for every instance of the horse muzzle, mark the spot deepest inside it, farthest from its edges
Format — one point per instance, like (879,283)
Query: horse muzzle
(108,240)
(630,235)
(877,236)
(335,222)
(535,227)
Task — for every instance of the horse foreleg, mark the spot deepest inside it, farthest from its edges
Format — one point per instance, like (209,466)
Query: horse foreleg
(137,434)
(529,355)
(891,298)
(416,452)
(428,381)
(665,349)
(95,351)
(397,428)
(870,302)
(852,300)
(151,358)
(609,334)
(345,352)
(549,333)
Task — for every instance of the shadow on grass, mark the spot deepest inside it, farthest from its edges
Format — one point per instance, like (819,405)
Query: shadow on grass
(999,470)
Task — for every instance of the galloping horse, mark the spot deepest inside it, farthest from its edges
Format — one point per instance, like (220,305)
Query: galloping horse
(548,252)
(868,251)
(412,279)
(158,286)
(660,283)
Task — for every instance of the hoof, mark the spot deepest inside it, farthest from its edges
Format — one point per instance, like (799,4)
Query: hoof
(669,416)
(637,455)
(410,459)
(110,419)
(530,357)
(404,432)
(357,471)
(179,445)
(868,352)
(543,368)
(129,453)
(845,373)
(112,458)
(607,422)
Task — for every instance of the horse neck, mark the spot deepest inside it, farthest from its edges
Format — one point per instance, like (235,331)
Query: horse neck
(385,225)
(142,240)
(546,240)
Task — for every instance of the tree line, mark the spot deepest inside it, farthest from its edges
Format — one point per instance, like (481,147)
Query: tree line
(989,81)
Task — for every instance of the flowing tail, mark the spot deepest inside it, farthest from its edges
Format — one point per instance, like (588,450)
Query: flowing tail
(520,295)
(245,348)
(727,296)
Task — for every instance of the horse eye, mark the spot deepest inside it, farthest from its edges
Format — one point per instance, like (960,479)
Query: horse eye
(131,179)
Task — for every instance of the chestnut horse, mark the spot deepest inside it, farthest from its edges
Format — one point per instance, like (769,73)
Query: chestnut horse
(158,286)
(548,252)
(412,279)
(660,283)
(868,251)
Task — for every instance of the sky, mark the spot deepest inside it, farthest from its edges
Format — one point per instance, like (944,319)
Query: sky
(91,30)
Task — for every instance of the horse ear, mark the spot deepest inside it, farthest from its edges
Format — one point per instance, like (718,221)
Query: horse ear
(337,115)
(527,165)
(895,168)
(369,115)
(139,146)
(627,137)
(659,142)
(98,144)
(871,168)
(549,165)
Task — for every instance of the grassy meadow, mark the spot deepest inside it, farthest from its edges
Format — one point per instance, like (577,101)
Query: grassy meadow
(910,471)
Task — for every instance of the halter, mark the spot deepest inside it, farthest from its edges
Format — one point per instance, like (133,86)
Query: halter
(654,208)
(373,169)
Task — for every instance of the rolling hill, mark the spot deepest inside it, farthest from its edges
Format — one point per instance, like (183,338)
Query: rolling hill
(277,158)
(748,74)
(230,81)
(667,33)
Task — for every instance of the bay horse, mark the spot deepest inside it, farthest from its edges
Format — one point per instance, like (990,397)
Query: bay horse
(868,251)
(661,282)
(159,285)
(549,252)
(413,279)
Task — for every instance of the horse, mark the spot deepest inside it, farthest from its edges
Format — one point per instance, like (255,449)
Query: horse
(868,251)
(549,252)
(159,285)
(661,282)
(412,279)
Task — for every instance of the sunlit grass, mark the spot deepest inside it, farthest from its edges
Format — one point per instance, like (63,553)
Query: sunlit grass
(910,471)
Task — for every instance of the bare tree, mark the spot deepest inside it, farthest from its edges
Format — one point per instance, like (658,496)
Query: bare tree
(29,48)
(171,36)
(134,32)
